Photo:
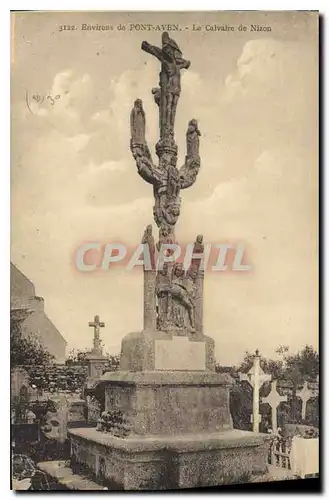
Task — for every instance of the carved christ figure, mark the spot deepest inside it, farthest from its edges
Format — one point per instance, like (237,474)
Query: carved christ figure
(172,63)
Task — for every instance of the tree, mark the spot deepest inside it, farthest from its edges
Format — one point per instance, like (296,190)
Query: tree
(77,357)
(271,366)
(26,349)
(297,368)
(306,362)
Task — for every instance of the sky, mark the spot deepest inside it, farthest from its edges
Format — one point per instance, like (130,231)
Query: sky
(73,179)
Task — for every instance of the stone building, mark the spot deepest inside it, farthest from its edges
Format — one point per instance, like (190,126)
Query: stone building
(22,295)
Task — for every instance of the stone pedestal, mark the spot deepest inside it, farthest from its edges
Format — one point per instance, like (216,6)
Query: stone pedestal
(180,433)
(96,365)
(165,462)
(169,403)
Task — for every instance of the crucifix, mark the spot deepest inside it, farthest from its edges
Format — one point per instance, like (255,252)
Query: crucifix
(256,378)
(96,324)
(167,96)
(167,180)
(274,399)
(163,310)
(305,394)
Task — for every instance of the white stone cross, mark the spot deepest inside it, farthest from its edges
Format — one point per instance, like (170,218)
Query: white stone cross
(250,377)
(274,399)
(97,325)
(252,418)
(256,378)
(305,394)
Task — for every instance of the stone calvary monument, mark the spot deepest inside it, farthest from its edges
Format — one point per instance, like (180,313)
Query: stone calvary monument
(167,421)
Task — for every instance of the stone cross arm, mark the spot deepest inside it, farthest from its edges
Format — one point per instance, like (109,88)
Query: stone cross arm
(305,393)
(163,57)
(250,377)
(274,398)
(96,323)
(153,50)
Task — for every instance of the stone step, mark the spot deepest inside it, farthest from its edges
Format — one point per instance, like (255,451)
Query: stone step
(64,476)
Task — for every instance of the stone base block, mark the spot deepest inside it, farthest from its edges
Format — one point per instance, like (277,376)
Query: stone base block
(148,351)
(163,463)
(168,403)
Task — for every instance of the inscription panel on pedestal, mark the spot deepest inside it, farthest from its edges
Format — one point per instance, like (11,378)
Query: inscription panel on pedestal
(180,354)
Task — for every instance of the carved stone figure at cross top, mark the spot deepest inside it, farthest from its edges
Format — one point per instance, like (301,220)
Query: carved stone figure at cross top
(96,324)
(172,63)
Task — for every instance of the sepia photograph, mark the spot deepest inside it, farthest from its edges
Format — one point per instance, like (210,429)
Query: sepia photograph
(164,256)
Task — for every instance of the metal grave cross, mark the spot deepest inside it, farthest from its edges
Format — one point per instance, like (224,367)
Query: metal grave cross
(96,324)
(305,394)
(274,399)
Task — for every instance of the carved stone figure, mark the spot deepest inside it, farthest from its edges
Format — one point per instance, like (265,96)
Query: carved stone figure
(192,139)
(173,182)
(198,248)
(191,283)
(137,123)
(172,63)
(171,211)
(156,91)
(181,307)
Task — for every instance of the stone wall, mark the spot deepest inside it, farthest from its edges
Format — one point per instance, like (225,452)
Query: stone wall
(56,377)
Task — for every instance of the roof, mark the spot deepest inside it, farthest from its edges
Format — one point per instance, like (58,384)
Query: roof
(14,269)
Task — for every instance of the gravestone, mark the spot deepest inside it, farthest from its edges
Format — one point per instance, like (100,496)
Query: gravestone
(256,378)
(96,360)
(274,399)
(305,394)
(167,412)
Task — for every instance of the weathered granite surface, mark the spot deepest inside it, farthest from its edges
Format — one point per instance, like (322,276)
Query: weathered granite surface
(194,460)
(169,403)
(65,477)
